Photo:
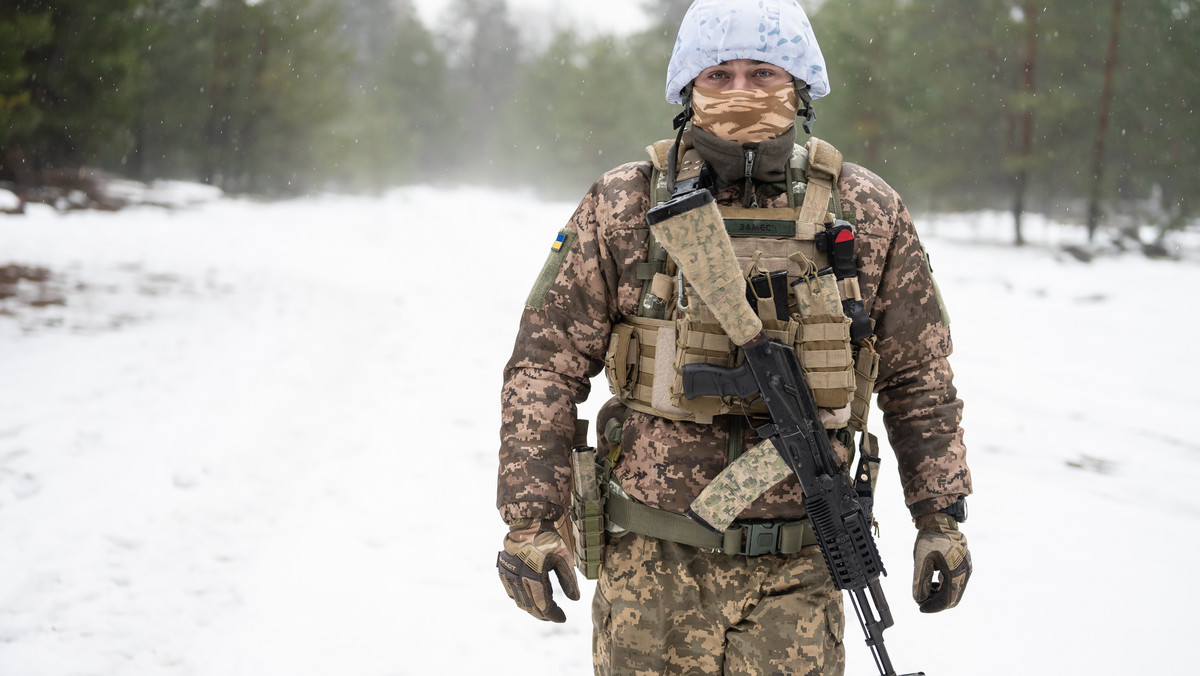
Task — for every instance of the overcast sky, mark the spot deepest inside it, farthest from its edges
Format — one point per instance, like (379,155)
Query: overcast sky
(619,16)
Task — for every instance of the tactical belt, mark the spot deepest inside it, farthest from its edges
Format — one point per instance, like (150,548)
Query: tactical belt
(745,538)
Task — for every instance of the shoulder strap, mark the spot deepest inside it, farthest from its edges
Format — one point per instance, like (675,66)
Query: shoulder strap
(796,171)
(689,165)
(824,167)
(823,158)
(658,176)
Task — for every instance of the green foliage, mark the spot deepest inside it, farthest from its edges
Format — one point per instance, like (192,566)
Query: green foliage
(584,107)
(68,69)
(291,95)
(393,131)
(930,93)
(860,113)
(19,33)
(1155,137)
(165,134)
(484,54)
(275,87)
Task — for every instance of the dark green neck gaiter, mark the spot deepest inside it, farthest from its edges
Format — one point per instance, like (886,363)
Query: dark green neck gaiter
(727,159)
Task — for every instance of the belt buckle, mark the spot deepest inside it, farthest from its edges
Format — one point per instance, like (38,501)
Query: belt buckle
(760,538)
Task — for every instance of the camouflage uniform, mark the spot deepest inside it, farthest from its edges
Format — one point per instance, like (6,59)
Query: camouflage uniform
(561,344)
(698,613)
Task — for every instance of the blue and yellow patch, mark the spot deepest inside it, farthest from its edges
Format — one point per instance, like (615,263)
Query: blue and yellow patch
(554,264)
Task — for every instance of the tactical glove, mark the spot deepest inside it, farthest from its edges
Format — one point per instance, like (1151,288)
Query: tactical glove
(940,548)
(532,549)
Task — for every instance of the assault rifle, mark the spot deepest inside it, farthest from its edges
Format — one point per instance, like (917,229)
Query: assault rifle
(843,526)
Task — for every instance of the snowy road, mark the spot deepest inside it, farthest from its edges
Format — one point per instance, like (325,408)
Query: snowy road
(259,439)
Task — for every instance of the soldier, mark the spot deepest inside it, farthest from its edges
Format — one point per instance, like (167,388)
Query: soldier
(671,596)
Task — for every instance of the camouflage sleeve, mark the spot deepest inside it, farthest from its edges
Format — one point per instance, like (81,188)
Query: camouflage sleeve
(560,345)
(920,405)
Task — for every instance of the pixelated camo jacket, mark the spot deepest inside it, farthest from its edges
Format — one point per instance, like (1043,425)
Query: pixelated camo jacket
(665,463)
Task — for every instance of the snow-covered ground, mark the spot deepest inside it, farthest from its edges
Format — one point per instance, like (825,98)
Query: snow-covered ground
(260,439)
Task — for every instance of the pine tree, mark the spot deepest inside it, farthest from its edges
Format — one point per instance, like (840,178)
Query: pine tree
(1093,212)
(20,33)
(74,105)
(1153,150)
(867,73)
(278,71)
(394,129)
(170,79)
(482,46)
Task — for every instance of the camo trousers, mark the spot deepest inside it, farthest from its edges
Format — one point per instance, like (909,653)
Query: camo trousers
(665,608)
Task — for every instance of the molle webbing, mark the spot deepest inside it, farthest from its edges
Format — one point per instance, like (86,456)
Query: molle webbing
(631,359)
(824,166)
(866,371)
(587,510)
(646,354)
(816,160)
(644,383)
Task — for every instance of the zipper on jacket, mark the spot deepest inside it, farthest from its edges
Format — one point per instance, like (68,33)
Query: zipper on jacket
(750,195)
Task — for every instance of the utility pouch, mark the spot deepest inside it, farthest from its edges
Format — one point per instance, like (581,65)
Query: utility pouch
(589,477)
(654,301)
(767,293)
(824,341)
(700,342)
(817,295)
(622,360)
(866,372)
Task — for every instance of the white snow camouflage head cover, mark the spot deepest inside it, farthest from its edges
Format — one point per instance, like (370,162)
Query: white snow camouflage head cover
(773,31)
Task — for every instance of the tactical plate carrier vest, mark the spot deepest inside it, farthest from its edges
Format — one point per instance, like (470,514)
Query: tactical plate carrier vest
(785,255)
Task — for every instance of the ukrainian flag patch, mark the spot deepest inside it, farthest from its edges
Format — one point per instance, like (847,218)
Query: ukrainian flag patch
(554,265)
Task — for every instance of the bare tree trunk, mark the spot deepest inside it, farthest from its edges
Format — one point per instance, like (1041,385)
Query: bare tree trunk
(248,135)
(220,95)
(1093,213)
(9,171)
(1021,180)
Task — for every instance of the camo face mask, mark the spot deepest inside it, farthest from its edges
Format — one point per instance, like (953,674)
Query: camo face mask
(745,115)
